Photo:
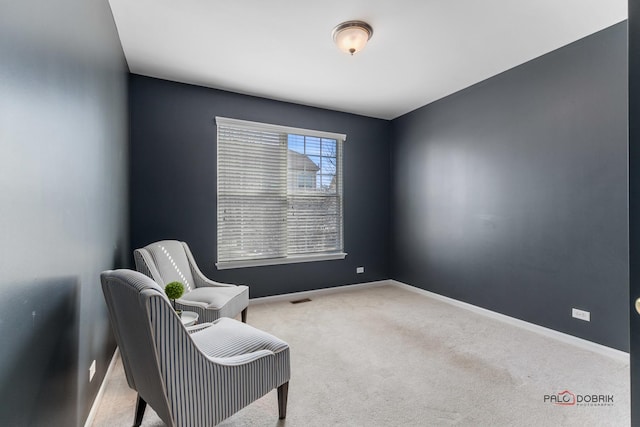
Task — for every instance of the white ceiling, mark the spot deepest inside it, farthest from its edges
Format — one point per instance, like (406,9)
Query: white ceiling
(421,50)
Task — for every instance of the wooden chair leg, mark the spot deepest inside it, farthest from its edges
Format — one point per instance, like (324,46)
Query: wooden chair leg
(141,405)
(244,315)
(283,392)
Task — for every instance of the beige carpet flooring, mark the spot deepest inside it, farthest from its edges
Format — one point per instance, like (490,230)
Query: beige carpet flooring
(385,356)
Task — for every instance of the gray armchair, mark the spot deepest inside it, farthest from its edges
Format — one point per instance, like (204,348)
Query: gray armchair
(190,378)
(170,260)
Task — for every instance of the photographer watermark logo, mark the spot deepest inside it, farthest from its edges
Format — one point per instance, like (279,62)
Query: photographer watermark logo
(564,398)
(567,398)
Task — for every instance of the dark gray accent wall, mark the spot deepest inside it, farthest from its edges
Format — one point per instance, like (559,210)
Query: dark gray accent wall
(63,204)
(173,181)
(512,194)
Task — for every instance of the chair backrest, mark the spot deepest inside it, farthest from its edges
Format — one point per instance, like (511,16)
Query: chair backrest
(165,261)
(128,295)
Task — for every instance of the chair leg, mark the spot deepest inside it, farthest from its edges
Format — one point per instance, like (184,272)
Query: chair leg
(283,392)
(141,405)
(244,315)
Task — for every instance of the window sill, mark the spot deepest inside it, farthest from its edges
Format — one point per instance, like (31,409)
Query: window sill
(277,261)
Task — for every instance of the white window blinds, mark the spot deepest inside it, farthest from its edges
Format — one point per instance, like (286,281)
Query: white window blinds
(279,194)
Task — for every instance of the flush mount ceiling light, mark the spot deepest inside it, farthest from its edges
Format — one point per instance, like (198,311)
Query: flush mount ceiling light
(352,36)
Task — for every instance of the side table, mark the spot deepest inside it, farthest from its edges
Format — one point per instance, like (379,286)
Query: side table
(189,318)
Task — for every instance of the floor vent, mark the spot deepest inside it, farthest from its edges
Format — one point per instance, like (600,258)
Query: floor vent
(298,301)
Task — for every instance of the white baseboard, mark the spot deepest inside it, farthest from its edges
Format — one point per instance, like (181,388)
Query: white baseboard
(103,386)
(316,292)
(560,336)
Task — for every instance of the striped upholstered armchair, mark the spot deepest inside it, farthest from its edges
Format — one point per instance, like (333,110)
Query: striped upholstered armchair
(170,260)
(192,378)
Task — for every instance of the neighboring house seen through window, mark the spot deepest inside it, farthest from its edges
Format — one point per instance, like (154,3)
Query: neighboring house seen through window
(279,194)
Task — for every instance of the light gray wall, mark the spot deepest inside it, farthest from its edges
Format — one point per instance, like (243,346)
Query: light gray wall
(63,203)
(512,194)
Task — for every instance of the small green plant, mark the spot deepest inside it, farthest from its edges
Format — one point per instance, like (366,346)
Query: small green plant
(174,290)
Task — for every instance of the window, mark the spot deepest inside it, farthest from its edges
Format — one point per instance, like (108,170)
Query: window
(279,194)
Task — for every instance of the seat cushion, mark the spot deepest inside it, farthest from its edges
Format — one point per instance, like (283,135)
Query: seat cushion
(225,301)
(228,337)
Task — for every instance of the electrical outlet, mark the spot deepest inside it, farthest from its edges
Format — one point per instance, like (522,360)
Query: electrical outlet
(360,270)
(92,370)
(581,314)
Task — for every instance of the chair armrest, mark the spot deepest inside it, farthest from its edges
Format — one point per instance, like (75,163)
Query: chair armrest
(197,328)
(199,278)
(242,359)
(202,281)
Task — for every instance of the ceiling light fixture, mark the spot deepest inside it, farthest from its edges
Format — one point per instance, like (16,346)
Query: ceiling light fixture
(352,36)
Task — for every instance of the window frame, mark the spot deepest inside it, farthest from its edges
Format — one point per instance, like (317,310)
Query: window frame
(288,259)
